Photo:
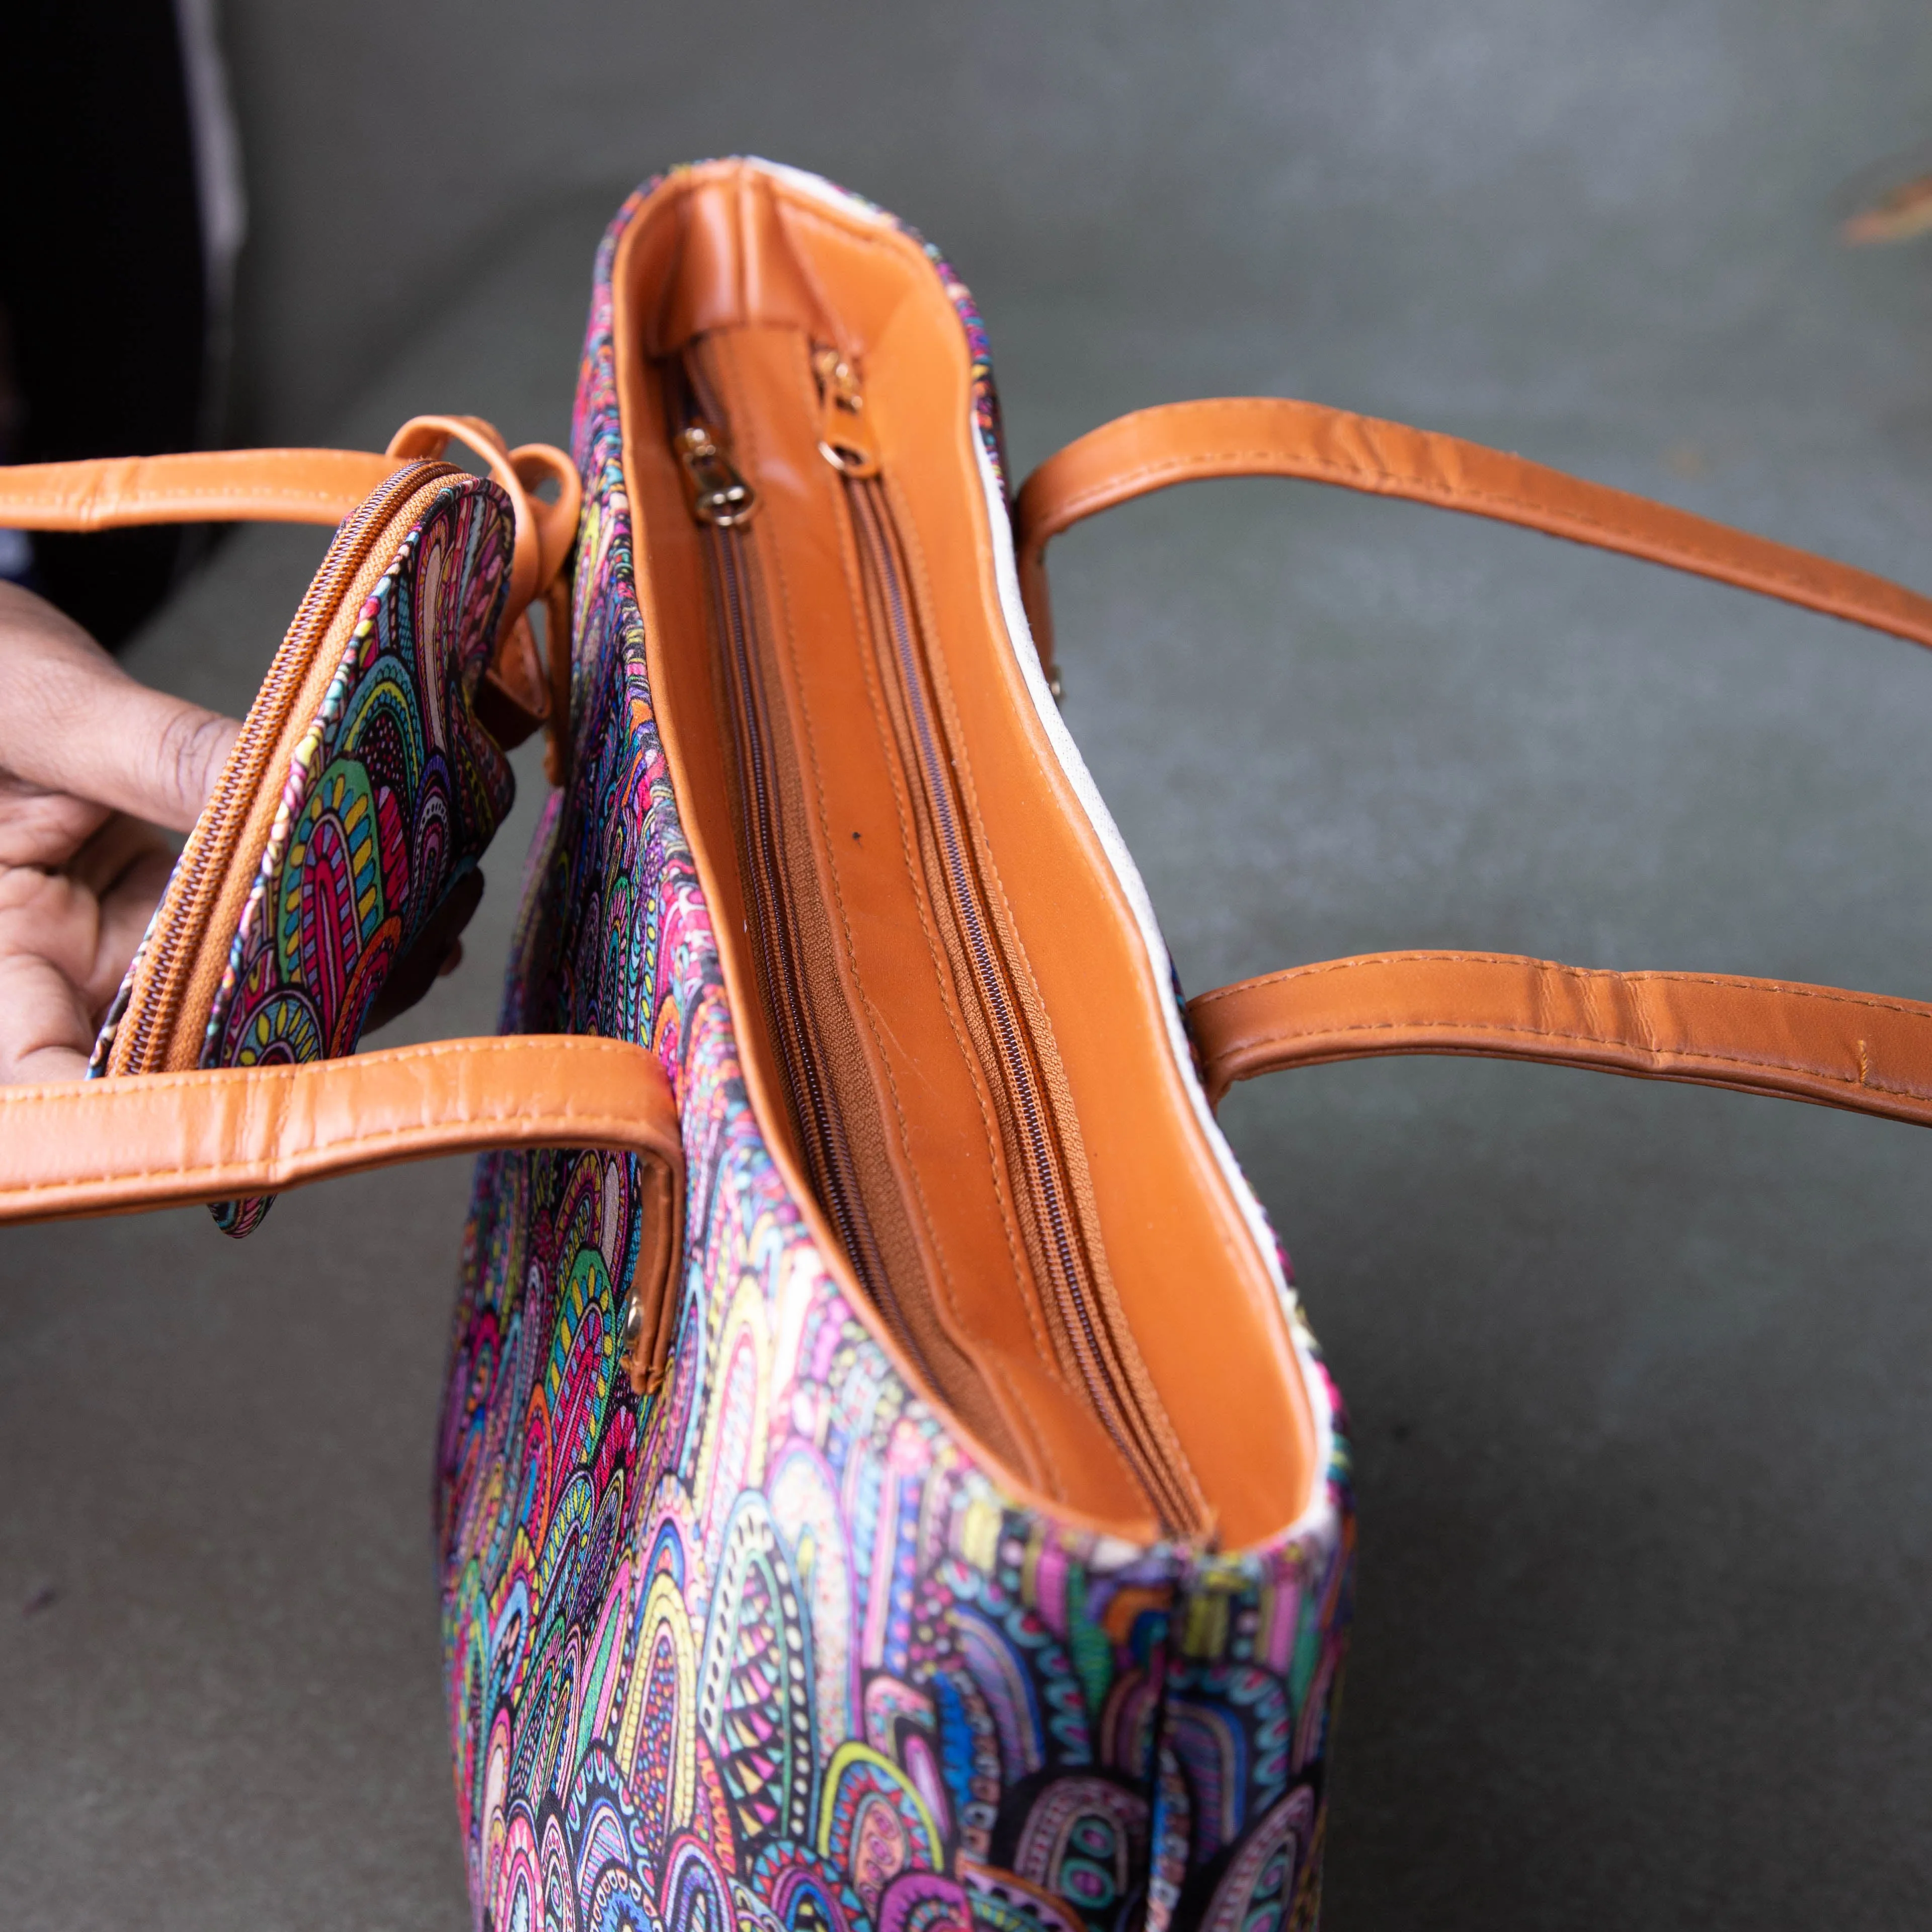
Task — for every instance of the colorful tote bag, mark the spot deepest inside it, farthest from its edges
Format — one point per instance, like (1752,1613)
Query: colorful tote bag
(885,1480)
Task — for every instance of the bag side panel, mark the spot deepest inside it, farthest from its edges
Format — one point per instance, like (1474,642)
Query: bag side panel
(769,1646)
(1258,1644)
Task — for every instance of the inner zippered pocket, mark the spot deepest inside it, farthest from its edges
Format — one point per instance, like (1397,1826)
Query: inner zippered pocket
(352,810)
(157,1022)
(836,1018)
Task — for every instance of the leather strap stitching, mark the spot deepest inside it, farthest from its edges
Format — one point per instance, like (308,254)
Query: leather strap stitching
(615,1130)
(1687,1055)
(1906,1009)
(79,502)
(284,1077)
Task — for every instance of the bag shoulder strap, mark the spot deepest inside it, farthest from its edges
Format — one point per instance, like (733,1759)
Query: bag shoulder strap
(1857,1050)
(1266,435)
(298,486)
(281,486)
(159,1140)
(325,486)
(131,1142)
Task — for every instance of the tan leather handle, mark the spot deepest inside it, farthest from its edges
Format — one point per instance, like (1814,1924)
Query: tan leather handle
(157,1140)
(1858,1051)
(300,486)
(1265,436)
(128,1143)
(1840,1049)
(519,692)
(274,486)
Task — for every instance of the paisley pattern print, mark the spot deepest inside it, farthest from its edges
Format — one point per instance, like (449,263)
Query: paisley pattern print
(769,1652)
(392,793)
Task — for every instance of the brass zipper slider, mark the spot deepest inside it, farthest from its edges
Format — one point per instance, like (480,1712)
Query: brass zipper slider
(844,435)
(719,495)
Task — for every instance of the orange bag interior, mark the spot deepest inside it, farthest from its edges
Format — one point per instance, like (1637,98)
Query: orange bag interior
(951,1028)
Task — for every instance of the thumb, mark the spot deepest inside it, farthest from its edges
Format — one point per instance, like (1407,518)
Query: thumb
(167,756)
(72,721)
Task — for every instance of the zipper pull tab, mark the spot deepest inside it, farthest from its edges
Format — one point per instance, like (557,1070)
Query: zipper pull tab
(844,435)
(719,495)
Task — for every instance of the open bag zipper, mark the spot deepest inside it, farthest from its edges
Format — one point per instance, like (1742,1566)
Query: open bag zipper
(1006,1046)
(144,1033)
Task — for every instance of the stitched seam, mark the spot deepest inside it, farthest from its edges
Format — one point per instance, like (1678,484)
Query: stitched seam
(281,1078)
(935,951)
(621,1130)
(1018,964)
(919,590)
(92,501)
(949,1286)
(1015,1410)
(1905,1009)
(1687,1055)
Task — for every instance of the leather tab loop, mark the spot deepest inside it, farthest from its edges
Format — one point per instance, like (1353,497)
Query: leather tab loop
(536,463)
(518,693)
(513,699)
(431,436)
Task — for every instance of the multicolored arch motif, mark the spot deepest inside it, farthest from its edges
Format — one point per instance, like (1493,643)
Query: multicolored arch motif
(657,1733)
(393,793)
(824,1676)
(873,1823)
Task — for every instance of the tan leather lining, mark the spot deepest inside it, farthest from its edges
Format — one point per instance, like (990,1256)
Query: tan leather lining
(760,271)
(912,1098)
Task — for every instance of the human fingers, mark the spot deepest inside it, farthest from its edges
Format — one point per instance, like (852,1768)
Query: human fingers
(43,828)
(43,1034)
(117,847)
(66,937)
(72,722)
(49,953)
(126,867)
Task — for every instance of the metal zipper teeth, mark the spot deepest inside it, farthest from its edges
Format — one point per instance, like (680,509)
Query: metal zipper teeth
(723,503)
(828,1152)
(194,890)
(1114,1401)
(1116,1404)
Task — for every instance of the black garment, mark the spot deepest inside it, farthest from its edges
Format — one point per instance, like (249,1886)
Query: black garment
(103,274)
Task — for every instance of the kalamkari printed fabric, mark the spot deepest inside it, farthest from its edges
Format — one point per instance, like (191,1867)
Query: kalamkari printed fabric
(769,1649)
(392,794)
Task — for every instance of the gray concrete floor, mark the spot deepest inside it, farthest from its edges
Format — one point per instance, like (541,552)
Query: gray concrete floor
(1641,1376)
(220,1668)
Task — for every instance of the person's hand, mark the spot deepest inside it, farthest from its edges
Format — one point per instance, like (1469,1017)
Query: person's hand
(91,763)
